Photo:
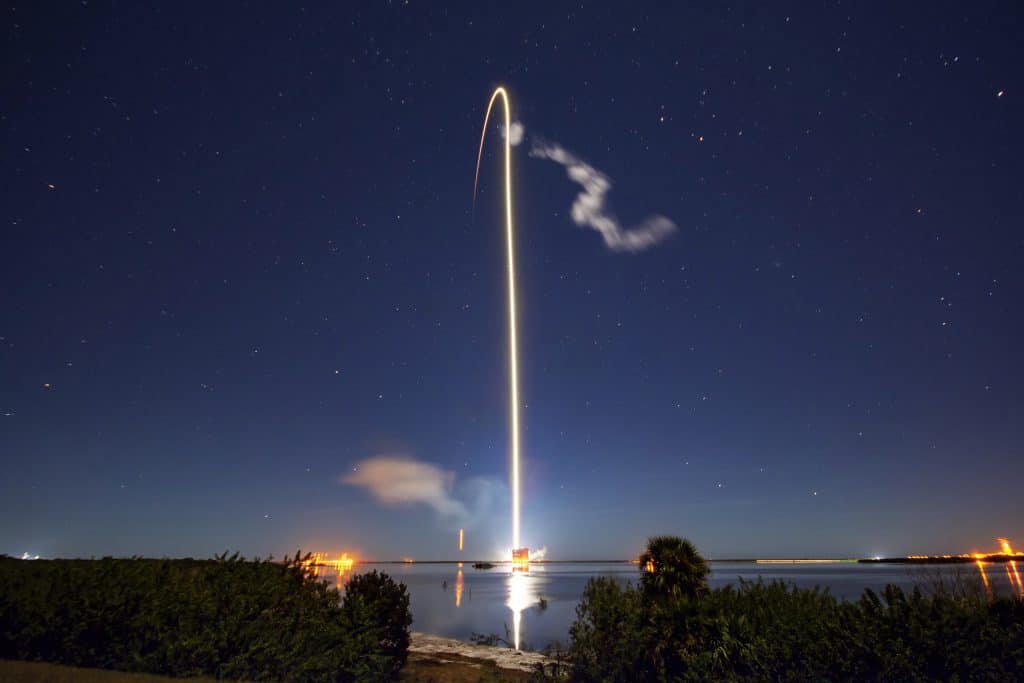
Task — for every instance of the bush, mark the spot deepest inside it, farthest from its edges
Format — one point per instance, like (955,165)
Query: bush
(376,612)
(609,637)
(228,618)
(774,631)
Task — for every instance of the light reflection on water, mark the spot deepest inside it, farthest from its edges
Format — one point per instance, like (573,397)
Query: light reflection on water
(457,601)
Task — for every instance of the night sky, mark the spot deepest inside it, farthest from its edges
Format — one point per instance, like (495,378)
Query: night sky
(241,276)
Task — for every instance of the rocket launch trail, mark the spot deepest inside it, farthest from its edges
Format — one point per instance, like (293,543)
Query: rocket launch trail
(513,350)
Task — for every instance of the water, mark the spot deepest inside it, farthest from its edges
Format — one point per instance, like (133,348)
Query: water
(456,602)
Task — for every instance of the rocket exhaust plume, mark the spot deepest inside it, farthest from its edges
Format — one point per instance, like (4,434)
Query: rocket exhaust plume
(513,353)
(460,540)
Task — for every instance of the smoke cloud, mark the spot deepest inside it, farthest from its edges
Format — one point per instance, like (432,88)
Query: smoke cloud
(400,480)
(589,210)
(517,131)
(403,481)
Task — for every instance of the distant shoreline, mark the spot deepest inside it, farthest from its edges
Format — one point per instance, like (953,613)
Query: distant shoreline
(945,559)
(937,559)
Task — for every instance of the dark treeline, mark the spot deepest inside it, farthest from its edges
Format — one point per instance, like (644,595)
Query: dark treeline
(226,618)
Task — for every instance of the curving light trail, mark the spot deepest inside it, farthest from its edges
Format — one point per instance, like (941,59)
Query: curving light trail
(513,352)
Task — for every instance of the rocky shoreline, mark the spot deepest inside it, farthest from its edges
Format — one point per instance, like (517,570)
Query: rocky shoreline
(444,650)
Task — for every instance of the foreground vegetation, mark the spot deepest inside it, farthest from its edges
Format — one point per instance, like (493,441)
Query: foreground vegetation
(223,618)
(255,620)
(672,627)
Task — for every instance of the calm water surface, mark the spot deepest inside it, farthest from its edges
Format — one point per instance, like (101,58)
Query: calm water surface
(456,602)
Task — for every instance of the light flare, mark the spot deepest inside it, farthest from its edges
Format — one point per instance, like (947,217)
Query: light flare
(320,563)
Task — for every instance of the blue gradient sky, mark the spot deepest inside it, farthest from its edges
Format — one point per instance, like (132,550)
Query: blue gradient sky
(257,266)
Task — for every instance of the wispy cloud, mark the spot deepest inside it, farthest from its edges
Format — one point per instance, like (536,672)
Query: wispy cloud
(589,209)
(401,480)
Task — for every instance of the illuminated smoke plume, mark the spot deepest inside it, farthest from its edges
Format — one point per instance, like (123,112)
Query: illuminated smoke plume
(403,481)
(517,129)
(400,480)
(589,210)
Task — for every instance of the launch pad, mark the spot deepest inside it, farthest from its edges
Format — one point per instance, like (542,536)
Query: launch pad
(520,559)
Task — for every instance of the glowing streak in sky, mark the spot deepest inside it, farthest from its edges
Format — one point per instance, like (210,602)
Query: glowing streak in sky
(513,353)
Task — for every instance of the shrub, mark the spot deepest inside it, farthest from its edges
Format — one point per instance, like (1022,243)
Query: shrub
(774,631)
(228,618)
(376,613)
(608,638)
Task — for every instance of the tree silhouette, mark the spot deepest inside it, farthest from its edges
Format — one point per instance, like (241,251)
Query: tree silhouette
(672,567)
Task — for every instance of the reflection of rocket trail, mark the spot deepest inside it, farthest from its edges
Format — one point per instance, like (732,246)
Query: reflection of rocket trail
(513,352)
(458,587)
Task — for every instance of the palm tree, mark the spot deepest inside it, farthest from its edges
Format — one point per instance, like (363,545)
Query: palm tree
(672,566)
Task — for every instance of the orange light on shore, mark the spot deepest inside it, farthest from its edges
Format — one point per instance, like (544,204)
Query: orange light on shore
(320,562)
(1005,554)
(343,563)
